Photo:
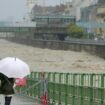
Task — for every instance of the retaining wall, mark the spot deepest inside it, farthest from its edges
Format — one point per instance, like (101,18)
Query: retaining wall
(91,46)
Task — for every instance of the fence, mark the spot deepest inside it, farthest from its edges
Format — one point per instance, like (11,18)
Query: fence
(69,88)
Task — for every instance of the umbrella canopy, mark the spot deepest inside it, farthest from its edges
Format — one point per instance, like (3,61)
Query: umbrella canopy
(13,67)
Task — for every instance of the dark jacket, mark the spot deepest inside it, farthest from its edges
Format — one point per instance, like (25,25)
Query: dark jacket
(6,85)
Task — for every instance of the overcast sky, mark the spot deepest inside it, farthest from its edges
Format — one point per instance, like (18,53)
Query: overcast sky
(12,9)
(16,9)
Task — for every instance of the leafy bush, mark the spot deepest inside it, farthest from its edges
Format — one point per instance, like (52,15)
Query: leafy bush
(75,31)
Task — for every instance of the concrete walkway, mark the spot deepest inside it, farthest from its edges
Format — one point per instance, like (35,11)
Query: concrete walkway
(19,100)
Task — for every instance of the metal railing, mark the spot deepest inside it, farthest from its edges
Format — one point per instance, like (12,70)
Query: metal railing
(70,88)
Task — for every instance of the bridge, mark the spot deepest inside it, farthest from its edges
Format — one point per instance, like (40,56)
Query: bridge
(41,26)
(61,89)
(32,30)
(48,29)
(6,26)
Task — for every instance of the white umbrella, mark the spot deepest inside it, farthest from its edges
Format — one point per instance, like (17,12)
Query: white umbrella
(13,67)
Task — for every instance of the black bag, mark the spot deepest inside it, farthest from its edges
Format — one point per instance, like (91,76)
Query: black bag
(7,88)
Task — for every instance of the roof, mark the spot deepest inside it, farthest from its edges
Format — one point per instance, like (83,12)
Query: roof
(54,16)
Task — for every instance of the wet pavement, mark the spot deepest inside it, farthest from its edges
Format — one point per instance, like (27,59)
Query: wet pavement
(20,100)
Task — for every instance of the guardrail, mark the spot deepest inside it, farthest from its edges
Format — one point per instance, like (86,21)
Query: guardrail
(70,88)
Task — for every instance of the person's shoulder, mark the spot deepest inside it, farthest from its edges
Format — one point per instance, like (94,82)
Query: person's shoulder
(2,76)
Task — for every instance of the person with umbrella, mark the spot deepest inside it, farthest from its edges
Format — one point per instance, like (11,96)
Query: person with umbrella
(7,88)
(11,68)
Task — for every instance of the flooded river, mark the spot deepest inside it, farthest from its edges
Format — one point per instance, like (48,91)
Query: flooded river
(52,60)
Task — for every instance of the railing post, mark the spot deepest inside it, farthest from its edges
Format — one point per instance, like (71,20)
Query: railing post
(44,91)
(91,89)
(60,74)
(102,89)
(66,90)
(73,95)
(39,77)
(48,87)
(53,88)
(82,83)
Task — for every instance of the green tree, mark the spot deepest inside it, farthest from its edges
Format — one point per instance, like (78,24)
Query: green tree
(75,31)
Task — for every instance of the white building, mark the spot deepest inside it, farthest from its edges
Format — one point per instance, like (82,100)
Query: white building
(75,6)
(30,4)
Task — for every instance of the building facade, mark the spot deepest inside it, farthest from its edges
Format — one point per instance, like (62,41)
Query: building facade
(30,4)
(76,5)
(94,17)
(101,19)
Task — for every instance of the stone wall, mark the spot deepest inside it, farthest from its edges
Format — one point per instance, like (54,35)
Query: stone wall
(97,48)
